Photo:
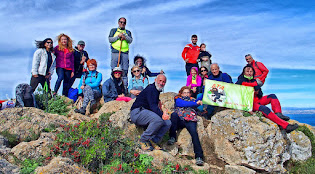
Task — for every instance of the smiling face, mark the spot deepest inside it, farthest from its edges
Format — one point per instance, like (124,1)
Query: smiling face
(64,41)
(186,93)
(203,71)
(80,47)
(136,72)
(117,74)
(194,40)
(193,72)
(139,62)
(92,67)
(215,69)
(203,48)
(249,59)
(160,82)
(48,44)
(249,72)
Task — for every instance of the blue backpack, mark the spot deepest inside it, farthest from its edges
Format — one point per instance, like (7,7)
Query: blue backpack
(73,94)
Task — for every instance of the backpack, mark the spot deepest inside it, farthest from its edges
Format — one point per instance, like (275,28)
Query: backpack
(24,95)
(73,94)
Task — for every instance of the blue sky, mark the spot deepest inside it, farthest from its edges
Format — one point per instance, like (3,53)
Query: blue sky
(278,33)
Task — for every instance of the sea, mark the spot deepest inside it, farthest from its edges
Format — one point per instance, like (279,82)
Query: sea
(303,118)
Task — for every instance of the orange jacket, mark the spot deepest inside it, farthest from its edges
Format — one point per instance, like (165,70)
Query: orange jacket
(191,53)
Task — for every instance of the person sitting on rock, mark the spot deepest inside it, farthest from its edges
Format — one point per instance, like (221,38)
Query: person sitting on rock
(194,80)
(185,116)
(89,86)
(147,111)
(145,72)
(247,79)
(113,88)
(137,83)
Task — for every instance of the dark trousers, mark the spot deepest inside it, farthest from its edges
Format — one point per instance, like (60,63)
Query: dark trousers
(188,66)
(78,75)
(191,127)
(40,79)
(63,75)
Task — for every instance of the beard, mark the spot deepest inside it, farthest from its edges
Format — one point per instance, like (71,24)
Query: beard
(159,88)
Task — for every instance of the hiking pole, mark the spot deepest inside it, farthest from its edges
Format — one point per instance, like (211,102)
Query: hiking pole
(119,53)
(46,94)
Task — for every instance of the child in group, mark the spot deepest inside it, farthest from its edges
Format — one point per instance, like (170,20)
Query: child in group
(204,57)
(194,81)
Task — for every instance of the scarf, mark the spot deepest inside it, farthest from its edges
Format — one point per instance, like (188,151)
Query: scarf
(249,78)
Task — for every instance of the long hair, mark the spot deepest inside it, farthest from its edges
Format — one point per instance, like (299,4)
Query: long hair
(181,91)
(69,44)
(41,44)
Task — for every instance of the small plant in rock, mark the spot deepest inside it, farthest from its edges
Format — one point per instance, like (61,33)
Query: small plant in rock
(13,139)
(29,165)
(58,105)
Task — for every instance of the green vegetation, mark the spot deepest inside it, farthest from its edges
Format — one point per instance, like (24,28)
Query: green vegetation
(307,166)
(12,138)
(29,165)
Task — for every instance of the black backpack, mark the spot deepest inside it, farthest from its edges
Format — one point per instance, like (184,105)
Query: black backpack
(24,95)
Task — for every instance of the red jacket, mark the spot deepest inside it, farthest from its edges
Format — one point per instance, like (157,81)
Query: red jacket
(191,53)
(261,71)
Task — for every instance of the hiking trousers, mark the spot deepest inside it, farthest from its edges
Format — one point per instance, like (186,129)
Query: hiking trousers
(188,66)
(156,126)
(124,64)
(275,106)
(40,79)
(90,94)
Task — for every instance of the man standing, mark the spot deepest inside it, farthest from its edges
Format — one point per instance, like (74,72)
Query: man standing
(146,111)
(191,53)
(261,71)
(120,38)
(80,57)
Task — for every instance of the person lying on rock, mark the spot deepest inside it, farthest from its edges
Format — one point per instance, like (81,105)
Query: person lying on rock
(137,83)
(113,88)
(147,111)
(247,79)
(89,86)
(185,116)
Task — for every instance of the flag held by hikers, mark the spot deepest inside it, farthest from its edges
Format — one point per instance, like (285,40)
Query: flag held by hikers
(228,95)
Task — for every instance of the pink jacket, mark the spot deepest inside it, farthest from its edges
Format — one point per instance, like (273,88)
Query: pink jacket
(198,79)
(64,60)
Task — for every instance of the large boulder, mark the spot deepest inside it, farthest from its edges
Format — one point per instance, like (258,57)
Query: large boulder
(34,149)
(61,165)
(254,143)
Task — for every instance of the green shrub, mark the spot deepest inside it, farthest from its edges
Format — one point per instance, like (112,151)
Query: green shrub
(13,139)
(58,105)
(29,165)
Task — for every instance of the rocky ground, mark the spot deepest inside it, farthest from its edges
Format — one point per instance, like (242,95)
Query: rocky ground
(231,142)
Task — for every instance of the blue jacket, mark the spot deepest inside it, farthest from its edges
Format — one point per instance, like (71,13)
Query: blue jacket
(222,77)
(91,80)
(109,90)
(148,99)
(133,82)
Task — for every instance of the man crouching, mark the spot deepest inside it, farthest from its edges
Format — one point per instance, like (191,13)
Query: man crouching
(146,111)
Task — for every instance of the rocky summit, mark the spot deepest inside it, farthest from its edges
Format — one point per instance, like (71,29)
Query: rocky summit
(232,143)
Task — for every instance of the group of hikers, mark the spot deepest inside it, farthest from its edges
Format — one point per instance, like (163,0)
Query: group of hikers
(147,109)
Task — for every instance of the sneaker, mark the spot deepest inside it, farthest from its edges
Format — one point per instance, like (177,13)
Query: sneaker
(155,146)
(283,117)
(81,111)
(291,127)
(171,141)
(145,146)
(199,161)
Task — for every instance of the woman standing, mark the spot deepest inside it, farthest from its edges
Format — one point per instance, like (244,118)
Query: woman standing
(185,116)
(89,87)
(64,63)
(44,64)
(137,83)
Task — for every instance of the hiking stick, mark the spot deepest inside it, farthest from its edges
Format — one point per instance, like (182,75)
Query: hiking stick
(119,53)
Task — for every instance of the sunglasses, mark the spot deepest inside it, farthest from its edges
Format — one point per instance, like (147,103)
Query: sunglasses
(136,71)
(203,71)
(117,72)
(122,22)
(49,42)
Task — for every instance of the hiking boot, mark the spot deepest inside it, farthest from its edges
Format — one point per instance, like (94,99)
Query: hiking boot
(171,141)
(291,127)
(199,161)
(155,146)
(145,146)
(283,117)
(81,111)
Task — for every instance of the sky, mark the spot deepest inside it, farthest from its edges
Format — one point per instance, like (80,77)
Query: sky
(278,33)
